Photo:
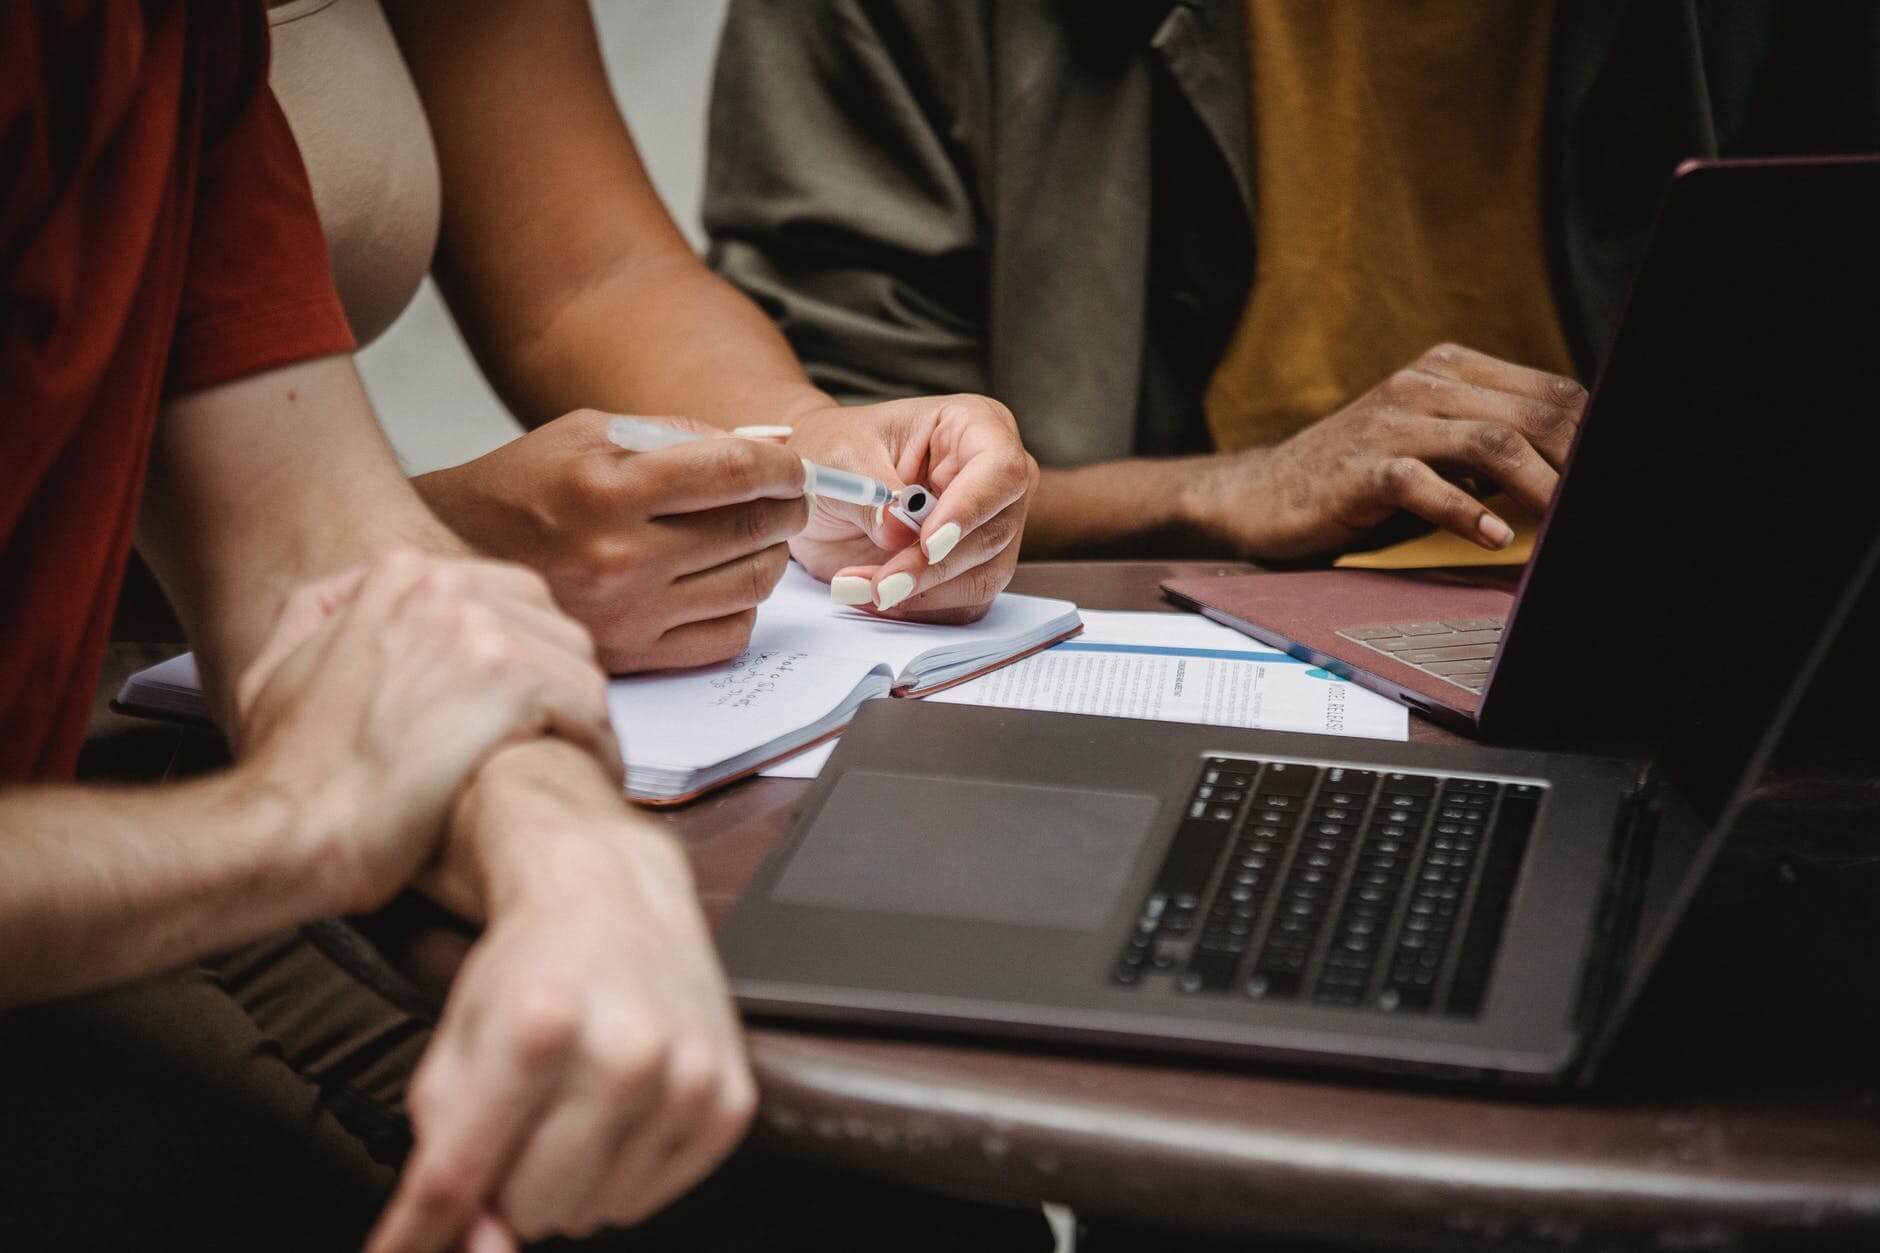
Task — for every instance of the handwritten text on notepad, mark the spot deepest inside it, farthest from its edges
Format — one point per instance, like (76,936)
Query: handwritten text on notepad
(751,677)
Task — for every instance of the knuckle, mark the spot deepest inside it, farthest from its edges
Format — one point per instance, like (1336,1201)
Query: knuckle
(985,582)
(604,553)
(398,565)
(1445,353)
(545,1025)
(737,1103)
(444,1186)
(795,514)
(625,1065)
(1399,385)
(1397,478)
(1549,422)
(693,1076)
(1000,530)
(736,464)
(965,407)
(753,523)
(1497,445)
(593,481)
(1565,392)
(490,648)
(767,571)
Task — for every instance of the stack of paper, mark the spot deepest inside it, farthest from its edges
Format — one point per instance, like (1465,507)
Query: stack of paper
(1174,667)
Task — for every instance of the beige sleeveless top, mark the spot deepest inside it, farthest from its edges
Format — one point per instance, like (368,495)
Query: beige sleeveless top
(362,132)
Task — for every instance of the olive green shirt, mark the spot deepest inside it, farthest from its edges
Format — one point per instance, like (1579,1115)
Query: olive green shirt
(1054,202)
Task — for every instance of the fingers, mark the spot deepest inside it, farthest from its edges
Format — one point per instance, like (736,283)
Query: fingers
(716,1123)
(704,540)
(1499,453)
(568,698)
(479,646)
(986,485)
(1467,365)
(690,478)
(983,476)
(702,643)
(731,588)
(1548,426)
(1412,486)
(606,1113)
(472,1104)
(962,586)
(306,610)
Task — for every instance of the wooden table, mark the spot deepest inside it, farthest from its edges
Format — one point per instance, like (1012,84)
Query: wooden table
(1741,1114)
(1741,1111)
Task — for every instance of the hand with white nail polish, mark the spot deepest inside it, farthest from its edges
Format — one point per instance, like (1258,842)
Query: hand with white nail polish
(966,451)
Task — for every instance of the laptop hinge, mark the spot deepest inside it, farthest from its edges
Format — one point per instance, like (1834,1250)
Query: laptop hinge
(1615,927)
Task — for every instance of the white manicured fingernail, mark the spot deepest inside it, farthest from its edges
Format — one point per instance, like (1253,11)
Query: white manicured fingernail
(848,589)
(941,542)
(763,432)
(1494,530)
(893,590)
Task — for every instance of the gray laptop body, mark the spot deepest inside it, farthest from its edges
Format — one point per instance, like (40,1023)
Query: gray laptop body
(988,871)
(1462,910)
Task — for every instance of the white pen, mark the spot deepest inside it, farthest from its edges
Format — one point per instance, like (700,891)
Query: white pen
(639,435)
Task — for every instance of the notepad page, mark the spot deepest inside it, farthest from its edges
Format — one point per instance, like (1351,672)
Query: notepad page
(688,720)
(799,617)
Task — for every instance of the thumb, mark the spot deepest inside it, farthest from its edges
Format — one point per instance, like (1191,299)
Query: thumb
(877,522)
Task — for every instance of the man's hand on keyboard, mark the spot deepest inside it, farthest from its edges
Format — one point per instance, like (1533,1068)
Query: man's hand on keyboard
(1452,414)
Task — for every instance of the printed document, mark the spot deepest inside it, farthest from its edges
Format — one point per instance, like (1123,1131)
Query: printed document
(1173,668)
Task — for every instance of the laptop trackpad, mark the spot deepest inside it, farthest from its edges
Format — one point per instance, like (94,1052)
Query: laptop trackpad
(966,848)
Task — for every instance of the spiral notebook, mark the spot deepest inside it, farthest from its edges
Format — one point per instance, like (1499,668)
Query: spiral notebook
(809,666)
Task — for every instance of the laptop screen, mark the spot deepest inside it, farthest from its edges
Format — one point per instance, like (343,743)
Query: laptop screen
(1719,528)
(1725,486)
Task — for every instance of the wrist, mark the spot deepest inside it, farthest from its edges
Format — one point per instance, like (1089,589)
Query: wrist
(296,835)
(538,821)
(1219,501)
(797,401)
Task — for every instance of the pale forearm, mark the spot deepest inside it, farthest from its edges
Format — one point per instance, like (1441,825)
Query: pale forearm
(101,886)
(263,484)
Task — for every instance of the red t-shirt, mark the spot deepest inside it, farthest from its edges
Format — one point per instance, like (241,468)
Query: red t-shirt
(157,236)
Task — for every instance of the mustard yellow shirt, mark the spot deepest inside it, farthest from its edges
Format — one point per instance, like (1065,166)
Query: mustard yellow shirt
(1397,160)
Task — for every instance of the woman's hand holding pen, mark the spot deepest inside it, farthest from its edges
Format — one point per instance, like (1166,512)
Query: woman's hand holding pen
(967,450)
(663,555)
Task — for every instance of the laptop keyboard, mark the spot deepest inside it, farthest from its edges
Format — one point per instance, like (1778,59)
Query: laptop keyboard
(1334,886)
(1457,651)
